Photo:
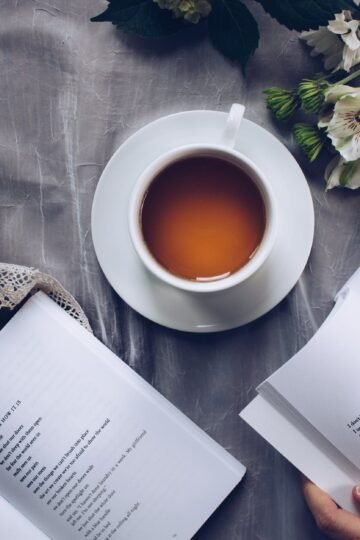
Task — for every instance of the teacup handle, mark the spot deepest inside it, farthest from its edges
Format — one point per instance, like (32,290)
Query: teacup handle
(233,122)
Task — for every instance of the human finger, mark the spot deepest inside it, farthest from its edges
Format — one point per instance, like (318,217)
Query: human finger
(333,521)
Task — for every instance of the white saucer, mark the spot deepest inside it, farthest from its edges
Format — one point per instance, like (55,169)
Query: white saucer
(188,311)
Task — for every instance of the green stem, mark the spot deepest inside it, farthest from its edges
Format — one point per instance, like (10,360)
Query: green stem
(350,77)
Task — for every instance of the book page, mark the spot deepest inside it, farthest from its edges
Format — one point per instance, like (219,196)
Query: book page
(14,526)
(321,382)
(88,450)
(305,448)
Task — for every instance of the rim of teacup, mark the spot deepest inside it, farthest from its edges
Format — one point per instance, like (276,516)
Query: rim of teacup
(138,196)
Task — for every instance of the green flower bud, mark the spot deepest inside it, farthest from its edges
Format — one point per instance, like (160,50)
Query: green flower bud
(312,94)
(310,139)
(283,103)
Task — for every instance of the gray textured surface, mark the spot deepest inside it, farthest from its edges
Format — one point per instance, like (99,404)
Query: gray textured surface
(70,92)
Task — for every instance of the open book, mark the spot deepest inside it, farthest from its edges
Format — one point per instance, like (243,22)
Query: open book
(309,409)
(88,449)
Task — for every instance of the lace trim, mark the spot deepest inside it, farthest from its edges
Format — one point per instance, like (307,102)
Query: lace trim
(16,282)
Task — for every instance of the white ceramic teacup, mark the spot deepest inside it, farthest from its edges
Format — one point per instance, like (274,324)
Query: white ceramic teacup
(223,150)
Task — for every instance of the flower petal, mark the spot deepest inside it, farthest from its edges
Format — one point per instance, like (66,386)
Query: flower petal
(334,93)
(339,26)
(325,120)
(348,58)
(344,127)
(339,171)
(321,40)
(344,122)
(326,43)
(332,173)
(334,61)
(349,148)
(351,38)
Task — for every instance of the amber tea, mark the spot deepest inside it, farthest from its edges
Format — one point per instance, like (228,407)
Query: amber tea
(203,218)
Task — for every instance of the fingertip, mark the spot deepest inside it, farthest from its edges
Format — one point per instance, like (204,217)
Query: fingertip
(307,484)
(356,493)
(303,480)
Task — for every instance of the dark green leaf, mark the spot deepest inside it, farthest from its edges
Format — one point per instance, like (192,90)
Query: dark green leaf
(305,14)
(233,30)
(141,17)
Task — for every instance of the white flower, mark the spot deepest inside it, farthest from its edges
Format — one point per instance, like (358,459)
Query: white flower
(324,42)
(339,42)
(338,91)
(340,173)
(331,96)
(343,127)
(341,119)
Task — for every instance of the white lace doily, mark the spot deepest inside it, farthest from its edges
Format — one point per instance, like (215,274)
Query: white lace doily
(16,282)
